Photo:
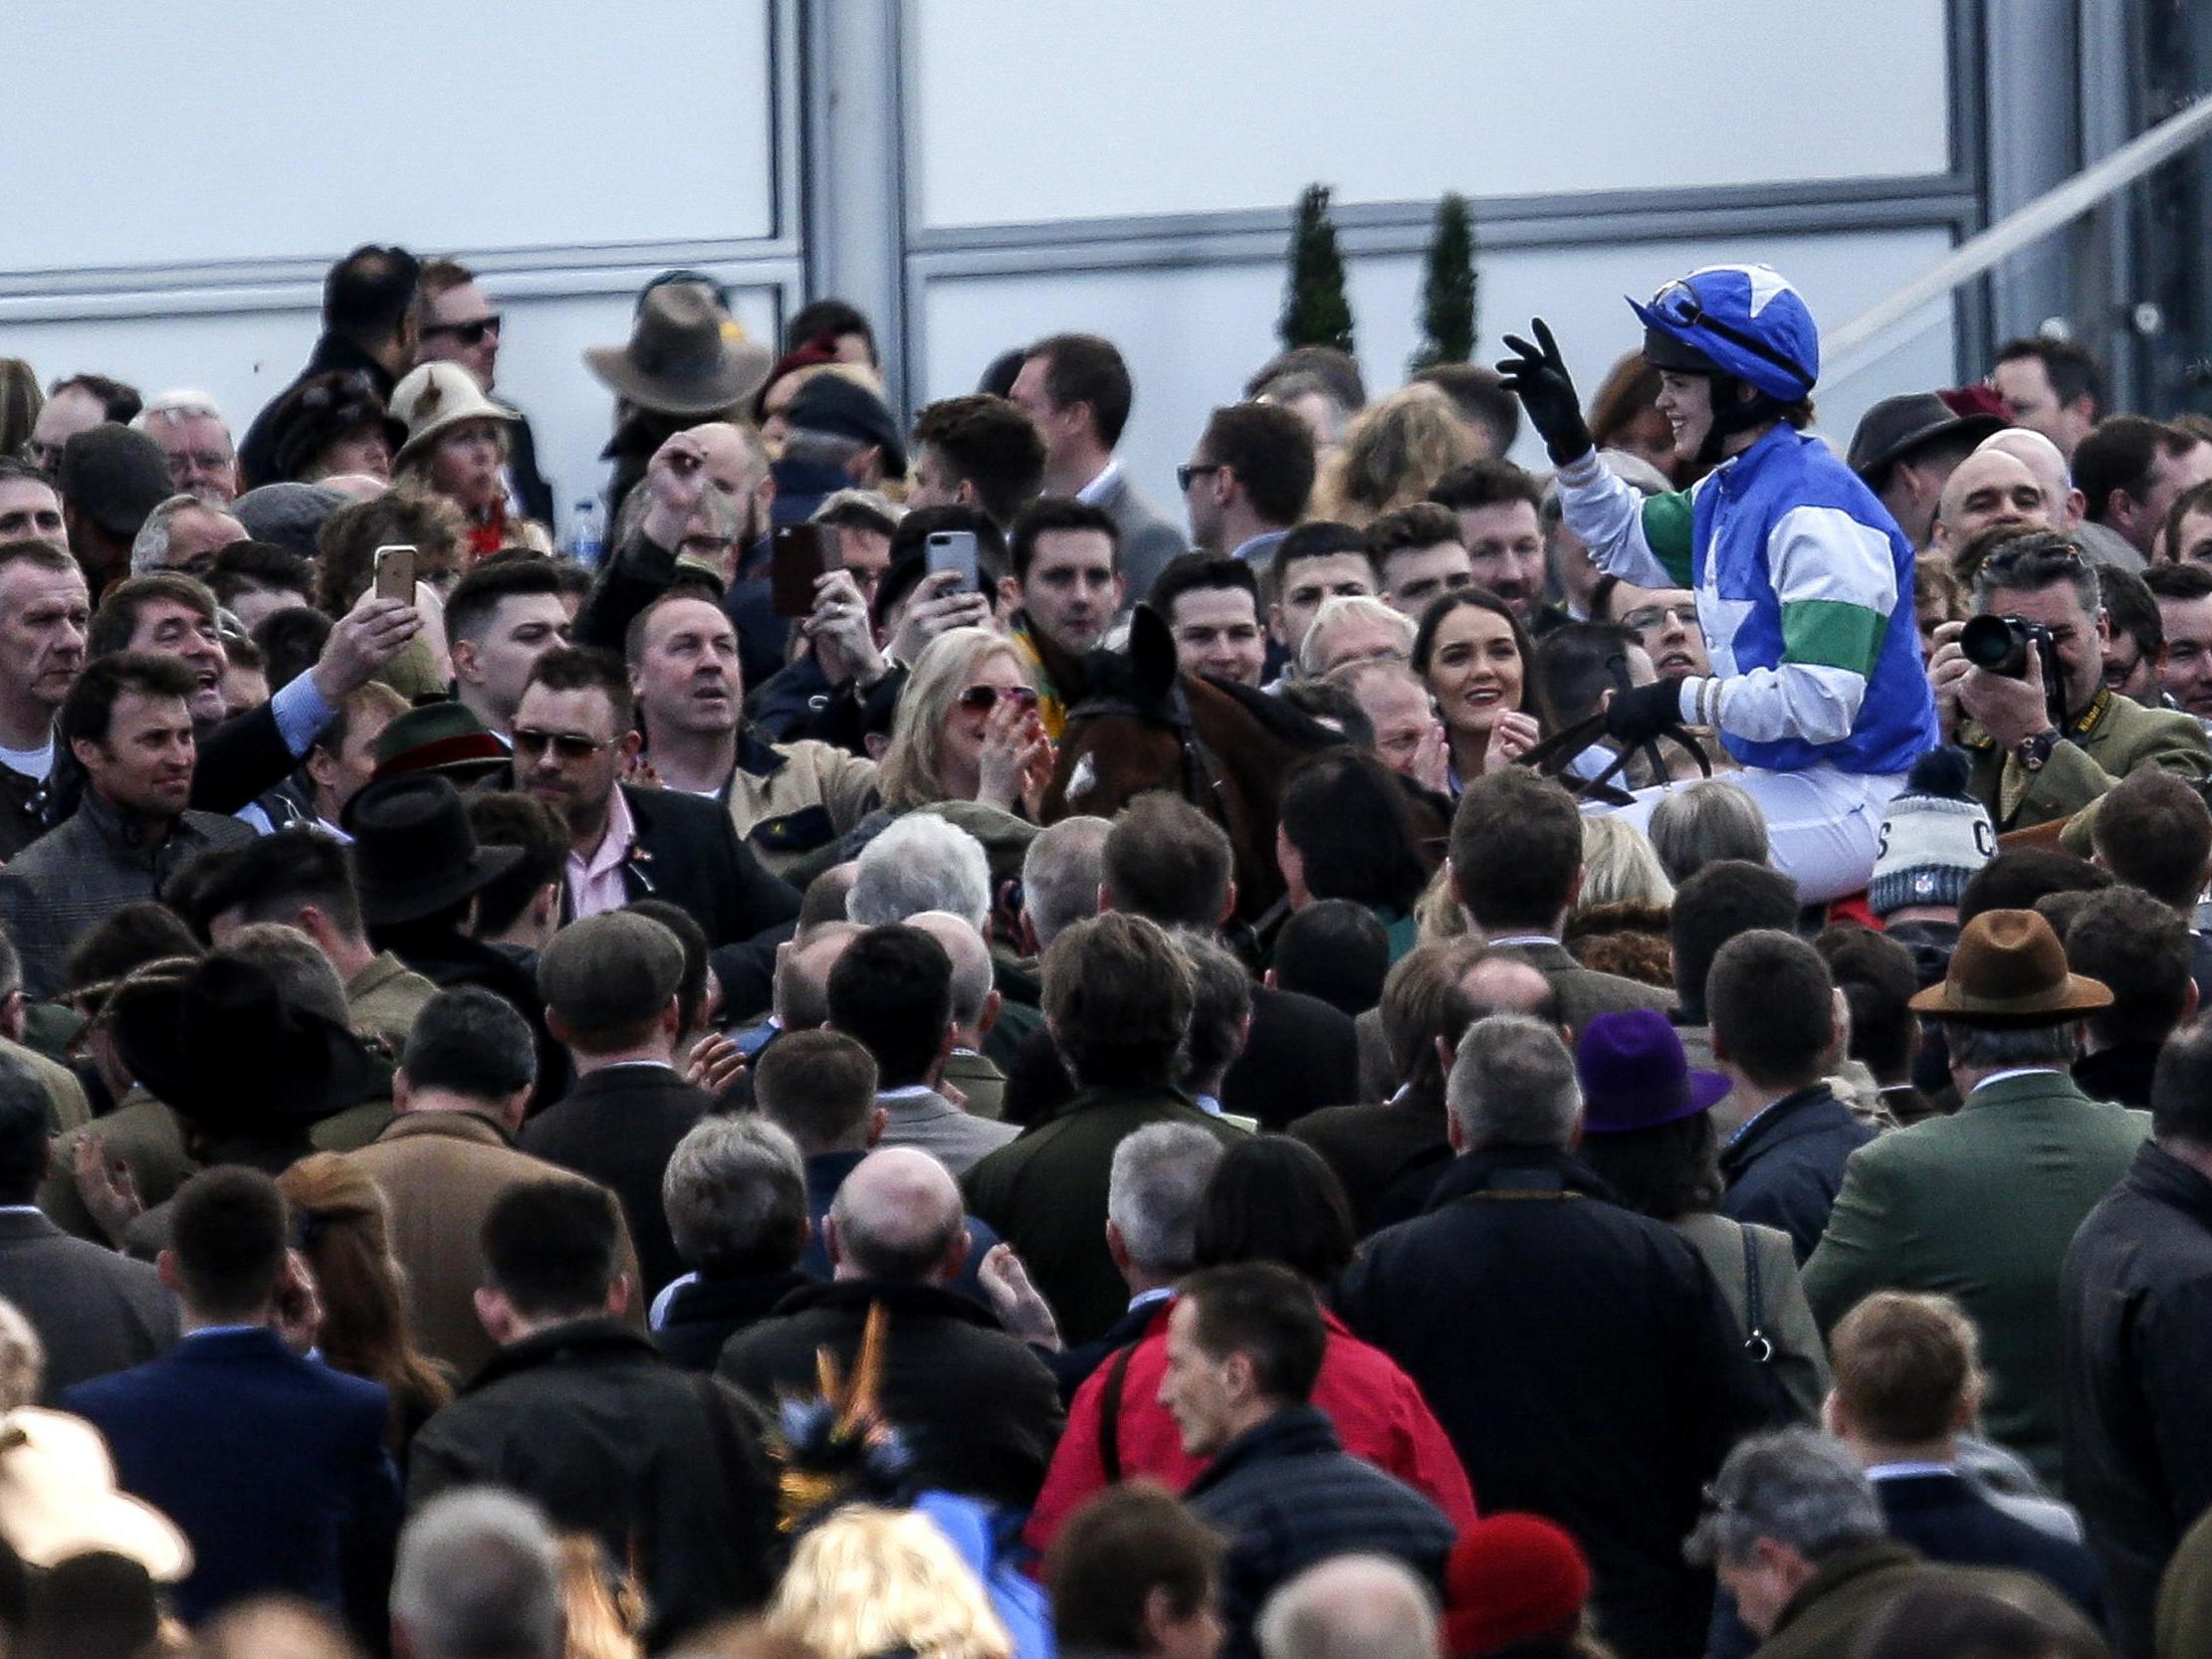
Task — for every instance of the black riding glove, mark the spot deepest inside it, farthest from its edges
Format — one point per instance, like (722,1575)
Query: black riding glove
(1642,712)
(1537,375)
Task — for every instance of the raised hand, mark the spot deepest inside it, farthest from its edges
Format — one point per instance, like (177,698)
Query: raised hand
(1537,374)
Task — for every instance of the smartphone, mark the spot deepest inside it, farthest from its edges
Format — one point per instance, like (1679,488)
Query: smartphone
(395,572)
(797,559)
(954,550)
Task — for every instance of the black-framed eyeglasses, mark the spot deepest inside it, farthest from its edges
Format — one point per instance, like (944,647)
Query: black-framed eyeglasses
(1677,302)
(468,333)
(1195,468)
(569,745)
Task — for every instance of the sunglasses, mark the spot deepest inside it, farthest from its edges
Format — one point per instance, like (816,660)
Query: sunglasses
(468,333)
(1677,302)
(1194,469)
(1647,617)
(981,700)
(529,740)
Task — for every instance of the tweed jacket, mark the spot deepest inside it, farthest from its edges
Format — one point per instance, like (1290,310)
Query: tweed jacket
(2103,744)
(1981,1206)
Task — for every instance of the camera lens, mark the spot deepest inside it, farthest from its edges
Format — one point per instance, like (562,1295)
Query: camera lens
(1994,642)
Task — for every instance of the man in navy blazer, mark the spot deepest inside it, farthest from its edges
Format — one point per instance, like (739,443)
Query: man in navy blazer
(1909,1383)
(274,1466)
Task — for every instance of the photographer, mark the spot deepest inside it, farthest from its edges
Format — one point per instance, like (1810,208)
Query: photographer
(2031,768)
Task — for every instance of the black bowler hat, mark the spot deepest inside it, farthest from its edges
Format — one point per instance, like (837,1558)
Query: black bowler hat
(1896,426)
(415,851)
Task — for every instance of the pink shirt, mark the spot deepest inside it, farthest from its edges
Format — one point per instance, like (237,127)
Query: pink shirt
(595,884)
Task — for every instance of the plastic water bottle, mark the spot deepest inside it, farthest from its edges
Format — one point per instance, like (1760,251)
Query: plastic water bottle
(587,534)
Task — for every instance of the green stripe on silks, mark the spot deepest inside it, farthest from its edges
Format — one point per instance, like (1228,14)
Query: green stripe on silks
(1667,533)
(1827,633)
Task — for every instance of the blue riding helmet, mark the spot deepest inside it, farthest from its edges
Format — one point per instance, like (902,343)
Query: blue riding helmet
(1740,319)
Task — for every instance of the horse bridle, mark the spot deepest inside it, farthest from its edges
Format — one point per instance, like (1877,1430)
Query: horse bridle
(1550,758)
(1202,777)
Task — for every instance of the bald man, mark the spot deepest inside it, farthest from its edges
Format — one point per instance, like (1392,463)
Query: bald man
(1989,490)
(896,1241)
(1351,1607)
(969,1077)
(2064,504)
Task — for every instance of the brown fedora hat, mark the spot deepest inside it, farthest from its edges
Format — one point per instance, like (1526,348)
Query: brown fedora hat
(2010,969)
(685,355)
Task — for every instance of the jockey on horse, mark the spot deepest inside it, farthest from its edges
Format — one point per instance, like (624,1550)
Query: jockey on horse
(1797,569)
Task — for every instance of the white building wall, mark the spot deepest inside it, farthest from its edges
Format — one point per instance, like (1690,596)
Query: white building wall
(1126,169)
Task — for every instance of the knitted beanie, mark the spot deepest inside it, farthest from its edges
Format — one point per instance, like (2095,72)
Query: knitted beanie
(1933,837)
(1512,1579)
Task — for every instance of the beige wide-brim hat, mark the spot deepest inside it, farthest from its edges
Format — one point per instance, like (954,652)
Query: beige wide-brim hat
(435,396)
(57,1499)
(686,356)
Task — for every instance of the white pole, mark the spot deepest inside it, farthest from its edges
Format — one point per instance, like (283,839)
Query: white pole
(1858,342)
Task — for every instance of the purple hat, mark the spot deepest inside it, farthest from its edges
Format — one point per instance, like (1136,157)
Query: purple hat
(1634,1074)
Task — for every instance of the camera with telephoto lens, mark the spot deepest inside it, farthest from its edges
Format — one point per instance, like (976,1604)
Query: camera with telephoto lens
(2000,644)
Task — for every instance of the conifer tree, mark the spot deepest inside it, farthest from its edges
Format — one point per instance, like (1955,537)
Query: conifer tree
(1447,296)
(1315,310)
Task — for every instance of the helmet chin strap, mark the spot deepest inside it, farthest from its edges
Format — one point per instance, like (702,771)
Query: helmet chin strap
(1732,415)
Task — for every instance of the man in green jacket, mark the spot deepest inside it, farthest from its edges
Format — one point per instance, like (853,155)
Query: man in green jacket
(2029,768)
(1981,1205)
(1117,999)
(1796,1534)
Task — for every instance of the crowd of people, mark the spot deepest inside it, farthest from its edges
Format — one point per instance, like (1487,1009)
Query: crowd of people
(919,1058)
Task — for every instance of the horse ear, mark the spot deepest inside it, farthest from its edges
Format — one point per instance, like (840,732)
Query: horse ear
(1151,652)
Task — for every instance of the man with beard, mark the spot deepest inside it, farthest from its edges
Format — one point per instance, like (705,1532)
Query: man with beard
(573,735)
(1496,504)
(786,799)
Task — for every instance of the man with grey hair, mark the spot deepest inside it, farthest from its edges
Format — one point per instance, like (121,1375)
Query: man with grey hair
(735,1195)
(2032,762)
(182,533)
(478,1577)
(188,428)
(969,1076)
(1153,1187)
(1982,1205)
(1579,1355)
(921,863)
(978,1411)
(1060,873)
(1351,1607)
(1795,1532)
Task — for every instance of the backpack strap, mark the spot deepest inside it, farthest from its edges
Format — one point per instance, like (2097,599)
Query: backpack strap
(1109,1408)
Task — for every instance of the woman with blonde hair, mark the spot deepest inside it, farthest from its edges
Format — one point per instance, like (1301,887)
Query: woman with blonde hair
(870,1581)
(1393,455)
(1619,921)
(967,728)
(341,1226)
(22,1360)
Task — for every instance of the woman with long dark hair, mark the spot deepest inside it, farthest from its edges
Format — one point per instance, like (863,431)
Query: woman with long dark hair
(1479,664)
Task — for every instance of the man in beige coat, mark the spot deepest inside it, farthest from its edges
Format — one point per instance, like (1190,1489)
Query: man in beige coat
(449,1156)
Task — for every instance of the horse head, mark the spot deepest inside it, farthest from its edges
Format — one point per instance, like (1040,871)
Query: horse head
(1144,724)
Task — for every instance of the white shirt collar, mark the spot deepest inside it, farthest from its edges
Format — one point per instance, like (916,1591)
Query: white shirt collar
(1908,1471)
(2011,1071)
(1107,478)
